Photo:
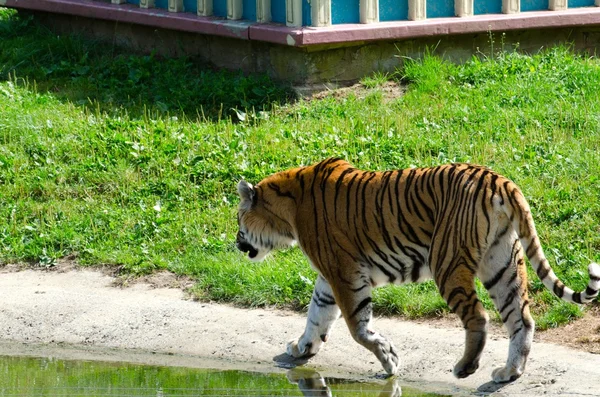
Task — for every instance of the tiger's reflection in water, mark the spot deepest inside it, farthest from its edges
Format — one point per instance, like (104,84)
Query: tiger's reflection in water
(312,384)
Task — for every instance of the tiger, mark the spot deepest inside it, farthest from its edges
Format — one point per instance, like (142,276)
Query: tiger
(365,229)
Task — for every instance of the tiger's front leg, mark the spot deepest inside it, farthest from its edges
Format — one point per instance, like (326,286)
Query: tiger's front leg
(357,310)
(322,313)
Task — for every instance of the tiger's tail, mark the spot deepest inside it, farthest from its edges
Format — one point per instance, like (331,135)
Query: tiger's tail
(517,209)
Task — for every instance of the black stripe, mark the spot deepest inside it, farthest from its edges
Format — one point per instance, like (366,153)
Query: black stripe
(534,245)
(387,273)
(415,272)
(526,319)
(516,332)
(326,174)
(300,177)
(357,193)
(338,184)
(458,291)
(500,235)
(494,280)
(590,291)
(478,188)
(509,195)
(410,252)
(489,284)
(278,191)
(348,198)
(577,297)
(386,181)
(505,318)
(559,290)
(509,299)
(485,213)
(316,171)
(430,190)
(506,192)
(385,258)
(319,301)
(493,187)
(361,306)
(543,271)
(360,288)
(364,199)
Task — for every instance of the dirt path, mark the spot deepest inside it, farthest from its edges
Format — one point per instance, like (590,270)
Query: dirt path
(83,311)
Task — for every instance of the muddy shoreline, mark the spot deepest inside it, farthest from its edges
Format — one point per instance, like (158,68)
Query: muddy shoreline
(80,314)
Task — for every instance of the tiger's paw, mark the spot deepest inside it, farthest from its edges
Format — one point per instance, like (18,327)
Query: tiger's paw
(464,369)
(298,349)
(392,366)
(389,358)
(504,374)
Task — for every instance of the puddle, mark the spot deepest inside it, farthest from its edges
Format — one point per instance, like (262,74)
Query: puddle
(32,377)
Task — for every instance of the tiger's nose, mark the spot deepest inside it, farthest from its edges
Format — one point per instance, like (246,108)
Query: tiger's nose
(243,246)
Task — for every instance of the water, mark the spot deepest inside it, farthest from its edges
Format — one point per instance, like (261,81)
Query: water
(32,377)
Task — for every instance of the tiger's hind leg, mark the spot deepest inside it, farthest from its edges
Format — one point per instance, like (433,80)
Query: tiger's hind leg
(357,310)
(504,275)
(456,282)
(322,313)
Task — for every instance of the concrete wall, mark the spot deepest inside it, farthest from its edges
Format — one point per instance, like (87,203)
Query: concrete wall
(341,62)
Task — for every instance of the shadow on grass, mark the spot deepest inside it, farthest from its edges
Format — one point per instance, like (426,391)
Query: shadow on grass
(104,77)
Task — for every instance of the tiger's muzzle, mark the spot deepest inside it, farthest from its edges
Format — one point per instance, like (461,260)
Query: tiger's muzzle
(245,246)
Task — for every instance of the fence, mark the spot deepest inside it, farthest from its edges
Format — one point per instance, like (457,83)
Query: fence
(311,41)
(334,12)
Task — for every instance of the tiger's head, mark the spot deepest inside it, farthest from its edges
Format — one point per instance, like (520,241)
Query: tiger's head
(262,227)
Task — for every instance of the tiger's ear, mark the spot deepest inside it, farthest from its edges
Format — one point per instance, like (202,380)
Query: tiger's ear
(246,191)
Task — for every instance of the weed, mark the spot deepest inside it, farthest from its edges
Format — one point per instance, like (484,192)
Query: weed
(377,79)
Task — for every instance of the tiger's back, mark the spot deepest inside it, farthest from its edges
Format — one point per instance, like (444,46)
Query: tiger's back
(363,229)
(387,220)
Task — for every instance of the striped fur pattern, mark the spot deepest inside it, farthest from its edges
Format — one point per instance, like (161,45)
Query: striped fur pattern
(363,229)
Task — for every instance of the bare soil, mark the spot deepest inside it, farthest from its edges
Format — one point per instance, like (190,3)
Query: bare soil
(582,334)
(390,90)
(91,314)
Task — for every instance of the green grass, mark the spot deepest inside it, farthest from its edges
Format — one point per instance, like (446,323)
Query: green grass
(376,79)
(132,161)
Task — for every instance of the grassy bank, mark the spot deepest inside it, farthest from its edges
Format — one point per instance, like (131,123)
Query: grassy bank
(132,161)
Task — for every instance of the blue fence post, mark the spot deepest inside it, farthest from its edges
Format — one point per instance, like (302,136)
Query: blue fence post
(369,11)
(293,13)
(320,12)
(417,10)
(511,6)
(205,8)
